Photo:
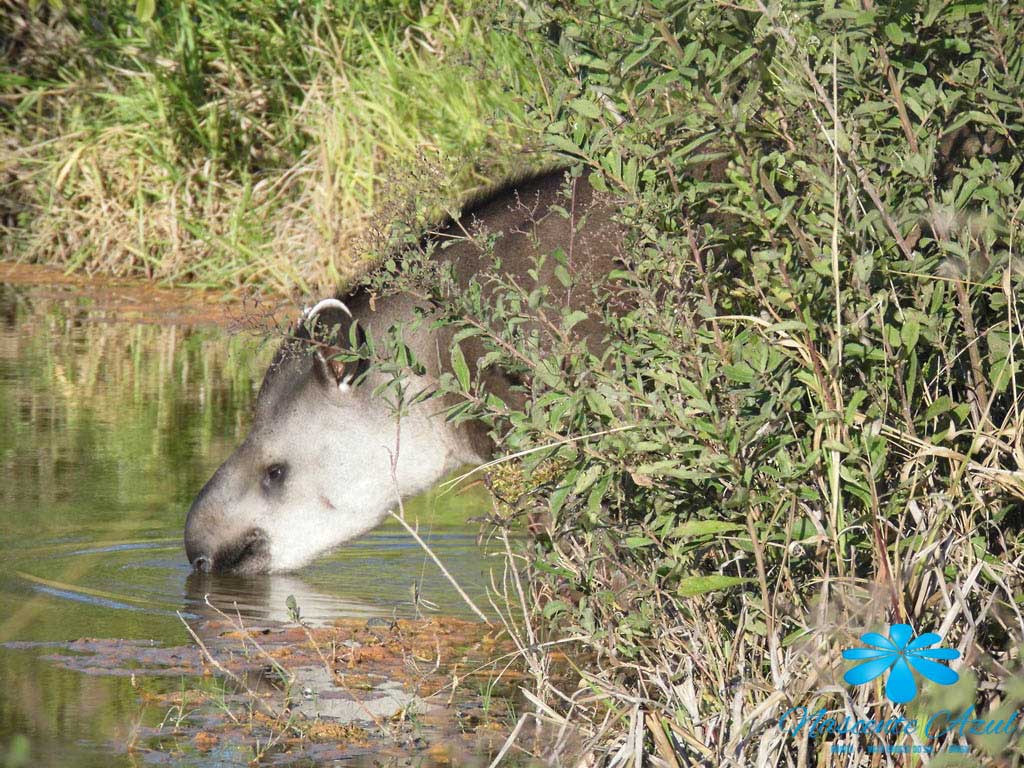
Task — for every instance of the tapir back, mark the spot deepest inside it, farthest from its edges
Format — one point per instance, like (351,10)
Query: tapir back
(534,218)
(511,230)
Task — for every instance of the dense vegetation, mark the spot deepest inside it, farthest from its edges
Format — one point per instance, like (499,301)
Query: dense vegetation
(810,423)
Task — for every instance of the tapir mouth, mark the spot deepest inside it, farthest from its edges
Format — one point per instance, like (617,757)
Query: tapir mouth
(248,554)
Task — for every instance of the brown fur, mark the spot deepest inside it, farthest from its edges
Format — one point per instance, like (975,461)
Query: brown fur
(526,219)
(326,454)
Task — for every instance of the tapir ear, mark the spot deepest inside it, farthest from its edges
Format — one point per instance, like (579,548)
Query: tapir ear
(335,337)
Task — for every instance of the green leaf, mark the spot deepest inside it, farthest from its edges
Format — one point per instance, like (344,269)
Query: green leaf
(941,405)
(856,399)
(1002,373)
(459,367)
(910,332)
(599,404)
(692,586)
(145,9)
(692,528)
(554,608)
(587,478)
(636,542)
(585,108)
(738,61)
(960,11)
(597,496)
(741,373)
(572,319)
(559,495)
(894,33)
(562,275)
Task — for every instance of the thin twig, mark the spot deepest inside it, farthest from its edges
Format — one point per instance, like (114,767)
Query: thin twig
(400,517)
(426,548)
(537,449)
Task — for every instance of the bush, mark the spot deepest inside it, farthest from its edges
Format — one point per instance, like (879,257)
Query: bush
(810,422)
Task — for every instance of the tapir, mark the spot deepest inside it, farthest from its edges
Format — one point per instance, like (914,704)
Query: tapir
(327,457)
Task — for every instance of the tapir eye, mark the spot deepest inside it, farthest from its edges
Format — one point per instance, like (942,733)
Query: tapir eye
(273,476)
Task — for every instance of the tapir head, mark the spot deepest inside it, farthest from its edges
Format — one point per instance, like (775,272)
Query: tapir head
(316,469)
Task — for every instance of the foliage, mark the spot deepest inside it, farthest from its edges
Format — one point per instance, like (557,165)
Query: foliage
(810,421)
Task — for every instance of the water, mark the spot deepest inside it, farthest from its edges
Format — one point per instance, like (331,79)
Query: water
(108,428)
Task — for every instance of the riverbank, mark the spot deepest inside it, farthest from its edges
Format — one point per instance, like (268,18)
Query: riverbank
(138,299)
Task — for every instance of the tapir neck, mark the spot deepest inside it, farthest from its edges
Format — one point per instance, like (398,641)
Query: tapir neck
(423,426)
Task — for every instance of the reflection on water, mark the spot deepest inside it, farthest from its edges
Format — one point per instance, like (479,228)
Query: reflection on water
(107,430)
(265,598)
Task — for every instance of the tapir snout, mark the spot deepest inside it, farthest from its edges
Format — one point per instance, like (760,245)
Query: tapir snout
(210,543)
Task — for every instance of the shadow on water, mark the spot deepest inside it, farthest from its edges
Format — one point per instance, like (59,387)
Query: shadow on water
(107,430)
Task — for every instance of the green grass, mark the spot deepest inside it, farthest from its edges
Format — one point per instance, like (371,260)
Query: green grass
(263,144)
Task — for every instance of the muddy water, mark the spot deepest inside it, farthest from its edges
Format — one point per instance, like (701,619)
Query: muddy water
(108,427)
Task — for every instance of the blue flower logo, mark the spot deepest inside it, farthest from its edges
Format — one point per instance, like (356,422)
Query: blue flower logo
(897,653)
